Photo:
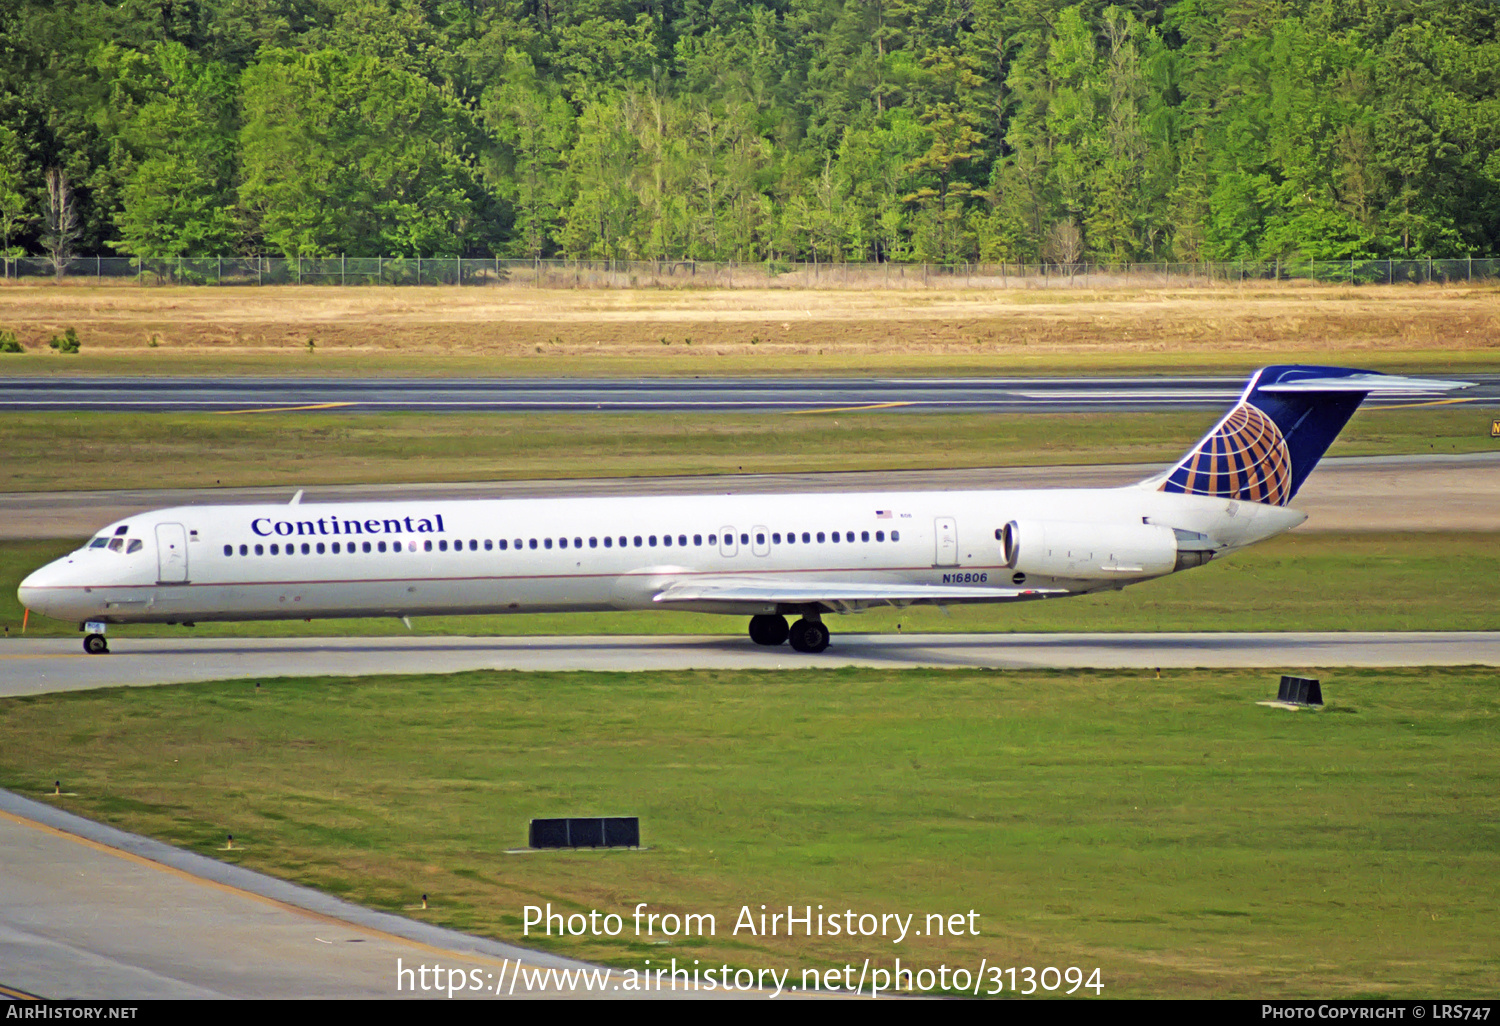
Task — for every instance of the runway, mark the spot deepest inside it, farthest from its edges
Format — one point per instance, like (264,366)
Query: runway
(1371,493)
(37,666)
(88,912)
(500,395)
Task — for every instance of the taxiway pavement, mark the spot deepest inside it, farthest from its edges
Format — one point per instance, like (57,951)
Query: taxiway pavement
(710,394)
(30,666)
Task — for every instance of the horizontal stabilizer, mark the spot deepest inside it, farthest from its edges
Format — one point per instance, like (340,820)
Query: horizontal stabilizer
(842,593)
(1370,384)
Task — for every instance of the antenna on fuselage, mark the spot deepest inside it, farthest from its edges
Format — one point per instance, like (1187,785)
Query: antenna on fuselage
(296,498)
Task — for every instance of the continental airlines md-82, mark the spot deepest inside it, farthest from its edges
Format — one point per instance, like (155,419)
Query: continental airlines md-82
(769,557)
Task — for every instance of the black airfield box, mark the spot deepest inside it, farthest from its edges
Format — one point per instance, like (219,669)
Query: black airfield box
(1299,691)
(586,832)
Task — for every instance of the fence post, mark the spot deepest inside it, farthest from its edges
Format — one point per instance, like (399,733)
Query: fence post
(343,267)
(1471,269)
(1351,270)
(419,268)
(1390,271)
(260,274)
(299,268)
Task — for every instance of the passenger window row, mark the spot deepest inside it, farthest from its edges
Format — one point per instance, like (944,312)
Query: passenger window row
(503,544)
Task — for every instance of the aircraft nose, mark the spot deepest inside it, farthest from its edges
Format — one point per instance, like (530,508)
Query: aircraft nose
(38,589)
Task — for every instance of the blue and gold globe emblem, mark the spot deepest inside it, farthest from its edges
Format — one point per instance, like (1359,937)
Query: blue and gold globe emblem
(1245,458)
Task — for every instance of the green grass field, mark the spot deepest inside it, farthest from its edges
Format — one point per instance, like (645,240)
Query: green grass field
(1172,833)
(1311,582)
(69,451)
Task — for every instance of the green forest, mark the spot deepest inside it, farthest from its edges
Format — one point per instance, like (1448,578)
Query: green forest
(829,130)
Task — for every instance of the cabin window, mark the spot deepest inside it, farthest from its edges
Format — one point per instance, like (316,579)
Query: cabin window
(608,541)
(760,539)
(533,543)
(442,545)
(335,548)
(880,536)
(229,550)
(244,550)
(834,537)
(502,544)
(666,540)
(745,539)
(637,541)
(547,542)
(578,543)
(775,537)
(593,543)
(713,539)
(652,540)
(895,536)
(320,548)
(820,537)
(488,545)
(306,549)
(562,543)
(365,546)
(807,538)
(274,550)
(697,539)
(864,536)
(682,540)
(380,546)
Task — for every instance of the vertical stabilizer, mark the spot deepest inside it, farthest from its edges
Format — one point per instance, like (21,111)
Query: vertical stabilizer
(1282,425)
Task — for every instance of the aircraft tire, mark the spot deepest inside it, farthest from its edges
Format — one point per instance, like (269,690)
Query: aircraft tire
(95,644)
(768,629)
(809,636)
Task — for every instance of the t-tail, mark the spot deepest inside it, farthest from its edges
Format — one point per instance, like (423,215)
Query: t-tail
(1282,425)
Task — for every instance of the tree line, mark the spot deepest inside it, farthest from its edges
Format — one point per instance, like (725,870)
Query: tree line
(900,130)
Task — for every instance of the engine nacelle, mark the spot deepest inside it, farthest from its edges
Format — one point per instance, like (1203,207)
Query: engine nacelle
(1056,548)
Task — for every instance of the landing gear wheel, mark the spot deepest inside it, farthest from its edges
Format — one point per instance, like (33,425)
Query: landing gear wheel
(94,644)
(768,629)
(809,636)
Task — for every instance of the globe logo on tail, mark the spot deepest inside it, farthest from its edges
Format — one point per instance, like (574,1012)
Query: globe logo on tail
(1244,458)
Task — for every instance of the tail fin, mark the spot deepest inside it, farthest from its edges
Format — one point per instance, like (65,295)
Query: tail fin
(1285,421)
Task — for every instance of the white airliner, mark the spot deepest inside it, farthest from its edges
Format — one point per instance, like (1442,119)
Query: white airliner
(766,556)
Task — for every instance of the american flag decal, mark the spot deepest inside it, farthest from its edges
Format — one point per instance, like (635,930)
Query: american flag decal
(882,514)
(1245,458)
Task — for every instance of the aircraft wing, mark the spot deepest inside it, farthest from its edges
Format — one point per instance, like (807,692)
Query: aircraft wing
(839,594)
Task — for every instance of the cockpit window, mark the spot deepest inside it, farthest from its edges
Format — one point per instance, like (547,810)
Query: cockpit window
(135,546)
(116,544)
(99,542)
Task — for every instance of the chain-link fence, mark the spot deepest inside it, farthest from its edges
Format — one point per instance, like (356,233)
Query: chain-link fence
(623,274)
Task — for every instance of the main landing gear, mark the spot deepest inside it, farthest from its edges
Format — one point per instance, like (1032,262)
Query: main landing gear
(806,635)
(95,644)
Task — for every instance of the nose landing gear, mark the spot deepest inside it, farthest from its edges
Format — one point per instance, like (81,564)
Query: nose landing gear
(95,644)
